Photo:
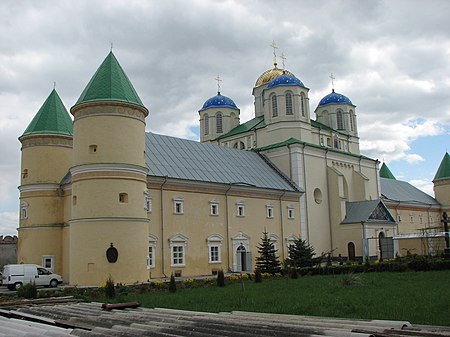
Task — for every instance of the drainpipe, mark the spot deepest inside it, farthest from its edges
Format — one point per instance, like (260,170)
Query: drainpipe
(329,203)
(282,227)
(162,227)
(306,194)
(290,161)
(228,228)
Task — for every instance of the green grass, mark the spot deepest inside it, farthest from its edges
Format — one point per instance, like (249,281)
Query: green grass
(418,297)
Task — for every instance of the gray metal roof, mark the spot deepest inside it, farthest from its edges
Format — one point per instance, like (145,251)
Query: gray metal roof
(191,160)
(369,211)
(397,190)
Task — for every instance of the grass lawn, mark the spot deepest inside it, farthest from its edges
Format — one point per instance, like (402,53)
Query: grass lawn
(418,297)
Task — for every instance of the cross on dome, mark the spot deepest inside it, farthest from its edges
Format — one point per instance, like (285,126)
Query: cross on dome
(274,46)
(283,58)
(332,81)
(218,83)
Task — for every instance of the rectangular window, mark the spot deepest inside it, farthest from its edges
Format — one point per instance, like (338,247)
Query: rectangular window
(214,254)
(147,203)
(177,255)
(420,218)
(411,218)
(269,212)
(23,213)
(290,214)
(47,262)
(431,219)
(178,207)
(214,209)
(241,210)
(399,218)
(151,257)
(328,142)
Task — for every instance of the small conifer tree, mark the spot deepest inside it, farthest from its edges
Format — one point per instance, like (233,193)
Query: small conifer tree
(110,290)
(220,278)
(267,261)
(300,254)
(172,284)
(258,276)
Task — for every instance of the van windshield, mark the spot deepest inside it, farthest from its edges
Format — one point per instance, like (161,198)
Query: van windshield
(42,271)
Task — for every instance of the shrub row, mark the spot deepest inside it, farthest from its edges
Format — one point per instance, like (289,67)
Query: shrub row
(419,263)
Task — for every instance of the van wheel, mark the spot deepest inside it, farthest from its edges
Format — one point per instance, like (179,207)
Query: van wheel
(53,283)
(17,285)
(11,287)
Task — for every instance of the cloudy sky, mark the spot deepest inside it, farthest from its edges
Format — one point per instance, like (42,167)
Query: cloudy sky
(391,58)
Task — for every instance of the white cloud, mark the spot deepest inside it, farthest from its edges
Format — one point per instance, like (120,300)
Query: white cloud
(424,185)
(9,221)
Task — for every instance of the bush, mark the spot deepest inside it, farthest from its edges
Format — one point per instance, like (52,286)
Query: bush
(110,290)
(28,290)
(172,284)
(258,276)
(220,278)
(350,280)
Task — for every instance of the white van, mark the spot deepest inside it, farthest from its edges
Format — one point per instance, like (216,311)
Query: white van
(16,275)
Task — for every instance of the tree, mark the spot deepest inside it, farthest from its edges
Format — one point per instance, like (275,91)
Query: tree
(300,254)
(172,284)
(267,261)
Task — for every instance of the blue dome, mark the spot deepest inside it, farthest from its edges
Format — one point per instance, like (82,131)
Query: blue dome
(219,101)
(334,98)
(285,79)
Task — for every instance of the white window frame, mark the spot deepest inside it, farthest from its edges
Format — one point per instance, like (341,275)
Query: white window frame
(151,246)
(219,122)
(177,249)
(340,120)
(289,105)
(269,211)
(215,242)
(147,202)
(214,208)
(302,104)
(178,244)
(290,213)
(274,100)
(206,125)
(50,258)
(24,210)
(240,209)
(178,206)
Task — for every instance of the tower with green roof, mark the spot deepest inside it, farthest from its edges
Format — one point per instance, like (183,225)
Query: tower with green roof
(441,183)
(46,159)
(109,179)
(385,172)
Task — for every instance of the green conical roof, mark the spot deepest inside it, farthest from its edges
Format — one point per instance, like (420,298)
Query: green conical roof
(52,118)
(110,83)
(385,172)
(443,171)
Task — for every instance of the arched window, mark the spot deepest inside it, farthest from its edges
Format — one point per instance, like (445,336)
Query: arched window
(219,124)
(352,121)
(289,110)
(340,120)
(351,251)
(274,106)
(302,104)
(206,125)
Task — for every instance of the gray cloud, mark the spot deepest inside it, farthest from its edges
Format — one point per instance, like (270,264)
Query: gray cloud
(390,58)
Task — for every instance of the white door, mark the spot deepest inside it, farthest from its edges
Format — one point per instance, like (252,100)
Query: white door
(43,278)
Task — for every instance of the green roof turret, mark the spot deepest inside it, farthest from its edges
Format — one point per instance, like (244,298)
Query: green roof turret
(110,83)
(443,171)
(385,172)
(52,118)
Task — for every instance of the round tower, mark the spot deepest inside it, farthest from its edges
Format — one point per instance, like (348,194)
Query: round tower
(46,159)
(109,224)
(218,116)
(441,183)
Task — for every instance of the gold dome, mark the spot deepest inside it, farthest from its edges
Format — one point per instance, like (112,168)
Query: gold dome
(270,74)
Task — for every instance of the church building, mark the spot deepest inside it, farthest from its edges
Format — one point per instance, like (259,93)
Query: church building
(99,196)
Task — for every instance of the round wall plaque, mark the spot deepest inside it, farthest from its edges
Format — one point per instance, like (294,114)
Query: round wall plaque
(112,254)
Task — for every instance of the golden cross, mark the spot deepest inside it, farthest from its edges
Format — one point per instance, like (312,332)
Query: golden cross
(111,46)
(274,46)
(283,58)
(54,85)
(332,81)
(218,83)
